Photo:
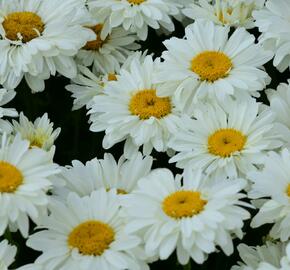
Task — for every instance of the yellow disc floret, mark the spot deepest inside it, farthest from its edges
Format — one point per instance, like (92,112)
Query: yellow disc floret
(95,45)
(147,104)
(37,139)
(288,190)
(36,143)
(10,177)
(121,191)
(23,26)
(183,203)
(225,142)
(136,2)
(91,238)
(112,77)
(211,65)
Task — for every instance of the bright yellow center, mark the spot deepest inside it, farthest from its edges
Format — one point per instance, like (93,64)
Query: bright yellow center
(225,142)
(288,190)
(91,238)
(37,139)
(211,65)
(95,45)
(36,142)
(182,204)
(145,104)
(10,177)
(136,2)
(112,77)
(121,191)
(23,26)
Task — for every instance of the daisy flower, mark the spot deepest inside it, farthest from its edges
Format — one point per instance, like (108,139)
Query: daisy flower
(106,173)
(225,12)
(7,254)
(267,257)
(130,110)
(280,106)
(272,184)
(24,182)
(191,218)
(209,64)
(229,138)
(274,24)
(134,15)
(107,54)
(40,133)
(38,39)
(86,233)
(88,84)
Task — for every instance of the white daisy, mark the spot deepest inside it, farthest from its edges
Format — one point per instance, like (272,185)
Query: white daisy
(87,84)
(107,54)
(134,15)
(193,217)
(23,183)
(38,39)
(273,183)
(130,110)
(7,254)
(86,233)
(208,63)
(280,106)
(274,24)
(39,134)
(106,173)
(230,138)
(225,12)
(270,256)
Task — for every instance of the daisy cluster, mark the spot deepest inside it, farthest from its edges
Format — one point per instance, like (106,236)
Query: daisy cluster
(206,103)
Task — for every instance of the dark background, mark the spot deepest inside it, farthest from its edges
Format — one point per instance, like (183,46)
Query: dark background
(77,142)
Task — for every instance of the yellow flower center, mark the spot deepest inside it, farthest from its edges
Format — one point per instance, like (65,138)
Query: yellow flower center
(91,238)
(288,190)
(211,65)
(37,139)
(145,104)
(182,204)
(225,142)
(10,177)
(136,2)
(121,191)
(23,26)
(112,77)
(95,45)
(37,142)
